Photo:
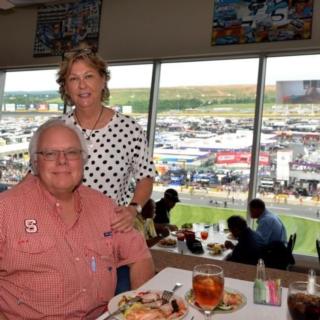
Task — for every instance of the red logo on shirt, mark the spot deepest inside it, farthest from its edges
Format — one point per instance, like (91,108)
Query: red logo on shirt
(31,225)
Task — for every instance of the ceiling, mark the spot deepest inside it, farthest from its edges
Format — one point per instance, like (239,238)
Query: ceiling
(8,4)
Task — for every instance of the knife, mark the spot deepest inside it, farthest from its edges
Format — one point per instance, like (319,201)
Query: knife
(123,307)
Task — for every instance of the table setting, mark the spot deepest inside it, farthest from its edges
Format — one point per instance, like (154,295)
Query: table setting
(201,294)
(205,240)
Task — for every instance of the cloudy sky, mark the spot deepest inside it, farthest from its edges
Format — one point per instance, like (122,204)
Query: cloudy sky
(224,72)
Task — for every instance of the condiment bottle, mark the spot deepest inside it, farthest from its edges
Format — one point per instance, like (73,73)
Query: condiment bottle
(259,288)
(311,282)
(261,270)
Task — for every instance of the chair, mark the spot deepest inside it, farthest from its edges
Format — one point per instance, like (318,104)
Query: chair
(318,247)
(123,280)
(292,242)
(277,255)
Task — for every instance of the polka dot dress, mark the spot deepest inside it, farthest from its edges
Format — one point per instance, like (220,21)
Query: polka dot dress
(118,154)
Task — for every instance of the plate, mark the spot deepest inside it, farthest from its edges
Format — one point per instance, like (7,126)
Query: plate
(114,303)
(221,308)
(165,243)
(215,249)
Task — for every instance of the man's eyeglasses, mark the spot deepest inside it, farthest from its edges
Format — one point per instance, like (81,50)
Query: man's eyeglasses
(52,155)
(79,53)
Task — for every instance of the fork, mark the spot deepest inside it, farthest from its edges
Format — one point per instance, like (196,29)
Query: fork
(167,295)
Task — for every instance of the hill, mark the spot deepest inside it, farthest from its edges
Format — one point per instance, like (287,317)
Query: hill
(173,98)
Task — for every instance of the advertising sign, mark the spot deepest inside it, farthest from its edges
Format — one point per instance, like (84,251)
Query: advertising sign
(283,165)
(230,157)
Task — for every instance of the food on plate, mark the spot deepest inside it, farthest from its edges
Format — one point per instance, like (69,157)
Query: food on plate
(152,307)
(168,242)
(231,300)
(186,226)
(215,248)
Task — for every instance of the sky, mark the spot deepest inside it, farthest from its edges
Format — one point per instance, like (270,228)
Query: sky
(202,73)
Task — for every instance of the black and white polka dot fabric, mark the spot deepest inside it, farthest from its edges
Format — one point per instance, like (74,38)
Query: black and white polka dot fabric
(118,153)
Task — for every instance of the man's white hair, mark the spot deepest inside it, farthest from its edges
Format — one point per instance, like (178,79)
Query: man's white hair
(56,122)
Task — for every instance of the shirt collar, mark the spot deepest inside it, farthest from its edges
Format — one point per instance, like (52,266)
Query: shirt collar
(53,202)
(262,215)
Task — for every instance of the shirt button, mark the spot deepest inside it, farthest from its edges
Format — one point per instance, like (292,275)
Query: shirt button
(84,290)
(57,204)
(77,259)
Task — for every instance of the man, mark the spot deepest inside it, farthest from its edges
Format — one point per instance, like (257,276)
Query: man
(163,207)
(3,187)
(248,248)
(58,255)
(270,227)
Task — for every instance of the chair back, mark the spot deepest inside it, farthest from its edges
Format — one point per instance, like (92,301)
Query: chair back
(318,248)
(277,255)
(292,242)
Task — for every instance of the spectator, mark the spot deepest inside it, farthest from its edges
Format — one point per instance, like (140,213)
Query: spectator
(3,187)
(270,227)
(248,248)
(58,253)
(145,225)
(163,208)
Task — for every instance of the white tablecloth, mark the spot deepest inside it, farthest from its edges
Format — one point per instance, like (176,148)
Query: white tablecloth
(213,237)
(166,279)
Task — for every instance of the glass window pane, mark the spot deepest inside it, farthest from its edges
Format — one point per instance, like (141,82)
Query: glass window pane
(289,181)
(130,90)
(204,136)
(30,98)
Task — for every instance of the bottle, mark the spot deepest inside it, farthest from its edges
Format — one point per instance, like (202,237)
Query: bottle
(259,287)
(311,282)
(261,270)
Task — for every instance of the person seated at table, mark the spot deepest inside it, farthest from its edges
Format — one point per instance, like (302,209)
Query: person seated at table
(163,208)
(3,186)
(145,225)
(58,254)
(248,248)
(270,227)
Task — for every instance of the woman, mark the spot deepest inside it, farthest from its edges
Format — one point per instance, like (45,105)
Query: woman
(117,145)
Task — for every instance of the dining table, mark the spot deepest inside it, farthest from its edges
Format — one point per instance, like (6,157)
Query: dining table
(214,236)
(166,279)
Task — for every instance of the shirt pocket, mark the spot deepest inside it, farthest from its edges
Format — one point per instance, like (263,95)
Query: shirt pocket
(102,260)
(102,253)
(39,275)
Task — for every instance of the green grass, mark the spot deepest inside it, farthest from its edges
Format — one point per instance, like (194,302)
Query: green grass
(307,229)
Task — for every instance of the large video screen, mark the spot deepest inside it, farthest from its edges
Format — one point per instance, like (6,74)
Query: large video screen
(298,92)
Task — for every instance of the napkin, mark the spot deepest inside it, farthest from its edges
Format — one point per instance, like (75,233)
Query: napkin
(195,246)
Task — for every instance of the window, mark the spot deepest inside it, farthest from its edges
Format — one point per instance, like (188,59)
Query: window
(289,171)
(204,132)
(130,90)
(30,98)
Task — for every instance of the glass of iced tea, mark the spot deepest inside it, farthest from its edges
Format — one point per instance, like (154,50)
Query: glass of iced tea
(207,285)
(204,234)
(303,305)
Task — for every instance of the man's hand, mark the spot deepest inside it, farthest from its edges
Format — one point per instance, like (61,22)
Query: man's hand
(3,317)
(229,245)
(124,220)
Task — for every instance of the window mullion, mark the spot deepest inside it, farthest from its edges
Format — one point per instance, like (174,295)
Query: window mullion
(254,168)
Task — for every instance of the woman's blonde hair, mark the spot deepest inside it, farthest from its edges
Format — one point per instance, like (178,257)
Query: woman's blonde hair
(89,56)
